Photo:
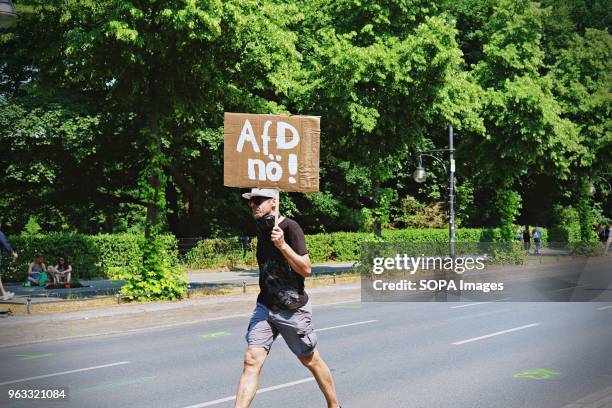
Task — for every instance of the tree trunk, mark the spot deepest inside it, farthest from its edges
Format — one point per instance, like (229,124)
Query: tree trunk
(377,221)
(109,219)
(194,194)
(172,215)
(196,226)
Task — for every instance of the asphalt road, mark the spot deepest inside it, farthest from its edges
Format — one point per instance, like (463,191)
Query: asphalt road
(495,354)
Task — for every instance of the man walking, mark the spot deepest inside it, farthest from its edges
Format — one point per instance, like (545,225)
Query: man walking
(537,239)
(4,244)
(283,306)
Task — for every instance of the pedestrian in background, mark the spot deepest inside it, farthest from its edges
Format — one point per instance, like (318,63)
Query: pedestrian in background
(602,234)
(4,244)
(537,239)
(526,238)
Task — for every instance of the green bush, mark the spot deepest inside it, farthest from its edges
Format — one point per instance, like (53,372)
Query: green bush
(220,253)
(107,256)
(80,249)
(567,225)
(335,246)
(508,205)
(563,234)
(508,253)
(158,277)
(587,249)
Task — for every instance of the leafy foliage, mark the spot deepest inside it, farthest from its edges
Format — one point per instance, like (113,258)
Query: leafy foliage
(109,256)
(419,215)
(335,246)
(508,204)
(157,277)
(111,113)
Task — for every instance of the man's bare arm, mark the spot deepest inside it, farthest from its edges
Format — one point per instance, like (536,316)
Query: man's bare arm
(299,263)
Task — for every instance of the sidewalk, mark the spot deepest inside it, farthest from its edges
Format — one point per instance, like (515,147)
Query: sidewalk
(197,279)
(200,279)
(125,318)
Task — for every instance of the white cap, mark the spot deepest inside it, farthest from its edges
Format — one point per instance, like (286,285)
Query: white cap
(261,192)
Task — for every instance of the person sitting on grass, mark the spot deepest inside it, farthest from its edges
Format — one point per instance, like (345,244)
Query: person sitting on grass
(37,271)
(62,272)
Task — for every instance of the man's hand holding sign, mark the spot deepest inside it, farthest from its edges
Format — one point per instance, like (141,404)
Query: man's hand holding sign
(270,153)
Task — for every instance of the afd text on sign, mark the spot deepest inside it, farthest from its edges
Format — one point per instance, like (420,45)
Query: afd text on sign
(272,151)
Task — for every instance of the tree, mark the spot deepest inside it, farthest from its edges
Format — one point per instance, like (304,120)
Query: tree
(526,134)
(130,96)
(46,148)
(382,75)
(582,75)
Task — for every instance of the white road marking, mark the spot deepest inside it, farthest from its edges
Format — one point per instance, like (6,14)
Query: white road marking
(338,327)
(571,287)
(468,305)
(489,312)
(346,325)
(233,397)
(496,334)
(605,307)
(65,372)
(478,303)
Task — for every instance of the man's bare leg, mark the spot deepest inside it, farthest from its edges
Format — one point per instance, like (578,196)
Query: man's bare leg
(321,373)
(254,359)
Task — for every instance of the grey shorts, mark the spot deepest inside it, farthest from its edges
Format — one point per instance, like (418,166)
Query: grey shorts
(294,325)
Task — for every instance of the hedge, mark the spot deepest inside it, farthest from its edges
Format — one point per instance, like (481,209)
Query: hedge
(565,234)
(328,247)
(107,256)
(220,253)
(117,256)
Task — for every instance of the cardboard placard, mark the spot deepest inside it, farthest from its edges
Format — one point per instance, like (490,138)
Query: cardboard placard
(272,151)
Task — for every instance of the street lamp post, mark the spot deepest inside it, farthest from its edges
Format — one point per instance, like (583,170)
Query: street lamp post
(451,194)
(8,14)
(420,175)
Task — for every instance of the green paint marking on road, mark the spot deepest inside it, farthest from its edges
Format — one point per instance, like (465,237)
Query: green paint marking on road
(537,374)
(32,356)
(111,385)
(215,335)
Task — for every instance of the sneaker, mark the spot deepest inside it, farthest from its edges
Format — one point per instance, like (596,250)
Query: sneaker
(8,295)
